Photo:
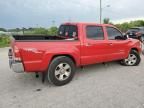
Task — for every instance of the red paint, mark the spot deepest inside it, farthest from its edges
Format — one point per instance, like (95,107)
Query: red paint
(97,51)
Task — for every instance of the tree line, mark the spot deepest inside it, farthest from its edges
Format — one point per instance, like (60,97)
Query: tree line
(39,30)
(126,25)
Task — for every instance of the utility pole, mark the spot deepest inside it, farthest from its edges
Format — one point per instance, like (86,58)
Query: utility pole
(100,11)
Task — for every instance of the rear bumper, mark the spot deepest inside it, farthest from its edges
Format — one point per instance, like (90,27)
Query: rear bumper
(15,65)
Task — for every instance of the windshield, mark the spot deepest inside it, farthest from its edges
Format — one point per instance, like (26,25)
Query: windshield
(69,31)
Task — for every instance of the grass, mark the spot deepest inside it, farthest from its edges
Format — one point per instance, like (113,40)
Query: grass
(4,41)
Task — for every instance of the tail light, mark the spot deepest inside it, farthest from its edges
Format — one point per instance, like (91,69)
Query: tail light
(17,53)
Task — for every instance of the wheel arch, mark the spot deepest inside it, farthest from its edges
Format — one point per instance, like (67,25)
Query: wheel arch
(66,55)
(134,49)
(131,49)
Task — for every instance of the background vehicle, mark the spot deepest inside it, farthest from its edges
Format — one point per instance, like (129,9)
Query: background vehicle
(77,44)
(133,32)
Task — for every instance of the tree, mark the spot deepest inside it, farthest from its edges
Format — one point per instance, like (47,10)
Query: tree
(106,21)
(17,29)
(3,29)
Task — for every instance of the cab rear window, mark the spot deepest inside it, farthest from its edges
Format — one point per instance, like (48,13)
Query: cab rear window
(70,31)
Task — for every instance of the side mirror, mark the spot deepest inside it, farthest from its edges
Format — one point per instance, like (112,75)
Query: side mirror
(125,36)
(120,37)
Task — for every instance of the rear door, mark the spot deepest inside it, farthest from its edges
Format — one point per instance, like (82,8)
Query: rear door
(117,48)
(94,49)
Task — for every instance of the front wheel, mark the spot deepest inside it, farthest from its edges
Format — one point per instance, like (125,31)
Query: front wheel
(132,60)
(61,71)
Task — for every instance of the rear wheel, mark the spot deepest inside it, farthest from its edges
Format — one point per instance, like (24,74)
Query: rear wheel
(61,71)
(132,60)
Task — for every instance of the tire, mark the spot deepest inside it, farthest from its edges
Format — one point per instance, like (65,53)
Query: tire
(61,71)
(132,60)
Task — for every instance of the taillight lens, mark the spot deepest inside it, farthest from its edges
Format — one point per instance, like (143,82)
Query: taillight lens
(16,50)
(17,53)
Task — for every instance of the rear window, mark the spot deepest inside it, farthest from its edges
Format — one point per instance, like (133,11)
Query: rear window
(70,31)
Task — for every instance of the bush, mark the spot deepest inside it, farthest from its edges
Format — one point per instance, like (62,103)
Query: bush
(4,41)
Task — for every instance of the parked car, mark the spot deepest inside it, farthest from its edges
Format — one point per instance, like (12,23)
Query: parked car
(77,44)
(133,32)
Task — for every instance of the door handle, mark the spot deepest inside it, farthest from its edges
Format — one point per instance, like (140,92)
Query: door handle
(89,44)
(110,44)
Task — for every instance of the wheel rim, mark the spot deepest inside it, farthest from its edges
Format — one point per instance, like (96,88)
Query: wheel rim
(131,60)
(62,71)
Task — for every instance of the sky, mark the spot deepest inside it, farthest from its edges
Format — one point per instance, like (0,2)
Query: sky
(45,13)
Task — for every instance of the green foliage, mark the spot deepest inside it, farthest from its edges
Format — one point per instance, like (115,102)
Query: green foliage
(53,31)
(13,30)
(125,26)
(40,31)
(4,41)
(3,29)
(106,21)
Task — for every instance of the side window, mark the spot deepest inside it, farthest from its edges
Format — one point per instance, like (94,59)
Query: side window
(95,32)
(113,33)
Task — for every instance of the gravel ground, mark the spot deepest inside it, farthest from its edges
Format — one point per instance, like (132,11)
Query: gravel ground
(96,86)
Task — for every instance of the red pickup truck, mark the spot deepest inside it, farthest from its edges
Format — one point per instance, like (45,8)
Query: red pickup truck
(77,44)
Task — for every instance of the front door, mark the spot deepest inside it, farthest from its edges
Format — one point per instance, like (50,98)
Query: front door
(117,48)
